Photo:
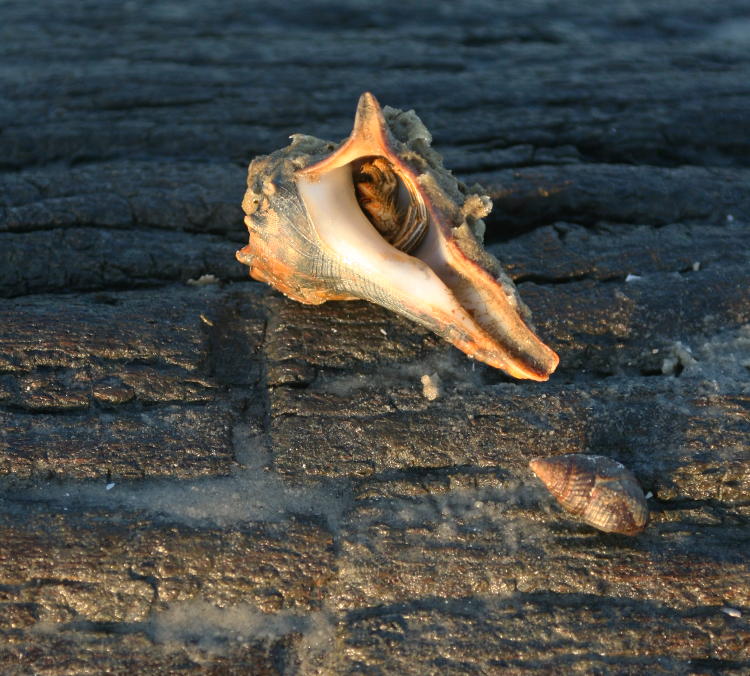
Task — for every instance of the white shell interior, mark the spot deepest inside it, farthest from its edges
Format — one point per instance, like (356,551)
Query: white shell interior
(437,285)
(334,212)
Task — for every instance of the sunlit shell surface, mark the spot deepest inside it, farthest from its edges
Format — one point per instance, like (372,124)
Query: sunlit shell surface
(378,218)
(601,491)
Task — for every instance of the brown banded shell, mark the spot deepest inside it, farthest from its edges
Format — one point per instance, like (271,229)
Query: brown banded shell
(393,206)
(599,490)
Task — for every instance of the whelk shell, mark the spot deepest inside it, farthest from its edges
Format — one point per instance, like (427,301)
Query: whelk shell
(378,218)
(601,491)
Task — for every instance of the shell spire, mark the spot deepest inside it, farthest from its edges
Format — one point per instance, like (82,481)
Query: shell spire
(378,218)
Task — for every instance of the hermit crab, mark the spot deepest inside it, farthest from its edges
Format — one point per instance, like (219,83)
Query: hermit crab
(378,218)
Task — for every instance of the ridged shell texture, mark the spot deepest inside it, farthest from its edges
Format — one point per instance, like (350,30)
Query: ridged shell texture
(601,491)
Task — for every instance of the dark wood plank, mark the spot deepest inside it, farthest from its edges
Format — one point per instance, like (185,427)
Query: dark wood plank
(210,478)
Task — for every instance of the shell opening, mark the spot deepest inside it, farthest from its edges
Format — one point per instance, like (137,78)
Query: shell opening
(428,284)
(395,207)
(386,275)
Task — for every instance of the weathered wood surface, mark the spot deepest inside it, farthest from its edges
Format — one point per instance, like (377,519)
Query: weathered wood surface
(215,479)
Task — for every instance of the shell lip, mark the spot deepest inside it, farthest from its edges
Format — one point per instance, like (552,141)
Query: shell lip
(370,136)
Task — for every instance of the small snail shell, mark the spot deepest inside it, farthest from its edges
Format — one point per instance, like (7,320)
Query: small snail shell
(603,492)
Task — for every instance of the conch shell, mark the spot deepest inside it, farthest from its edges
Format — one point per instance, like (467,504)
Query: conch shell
(601,491)
(378,218)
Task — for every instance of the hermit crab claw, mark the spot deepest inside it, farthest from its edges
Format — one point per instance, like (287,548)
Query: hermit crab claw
(378,218)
